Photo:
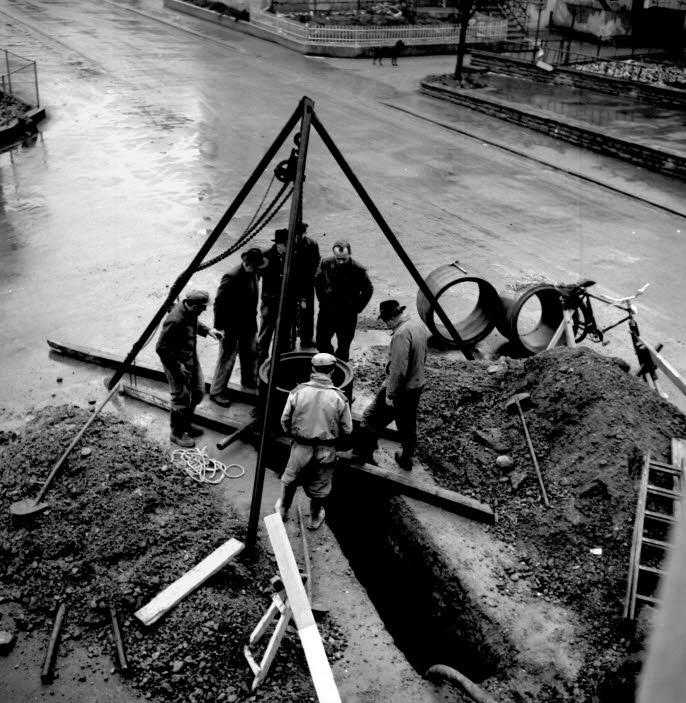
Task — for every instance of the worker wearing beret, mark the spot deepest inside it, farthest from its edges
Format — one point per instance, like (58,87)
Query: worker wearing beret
(317,418)
(176,347)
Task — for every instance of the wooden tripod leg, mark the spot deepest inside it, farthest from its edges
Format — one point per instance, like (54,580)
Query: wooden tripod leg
(569,328)
(558,335)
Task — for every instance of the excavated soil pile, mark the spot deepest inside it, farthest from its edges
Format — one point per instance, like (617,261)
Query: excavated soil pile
(123,524)
(591,423)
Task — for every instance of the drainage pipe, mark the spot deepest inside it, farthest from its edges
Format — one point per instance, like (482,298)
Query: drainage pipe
(533,316)
(479,322)
(474,691)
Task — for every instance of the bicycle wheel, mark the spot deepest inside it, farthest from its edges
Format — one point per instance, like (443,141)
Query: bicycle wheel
(584,325)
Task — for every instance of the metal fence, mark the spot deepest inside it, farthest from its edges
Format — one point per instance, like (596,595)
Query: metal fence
(19,78)
(483,28)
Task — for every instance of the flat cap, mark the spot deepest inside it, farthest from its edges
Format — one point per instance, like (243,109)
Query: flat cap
(198,296)
(323,359)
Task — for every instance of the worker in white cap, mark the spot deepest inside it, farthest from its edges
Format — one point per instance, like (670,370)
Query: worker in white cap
(317,418)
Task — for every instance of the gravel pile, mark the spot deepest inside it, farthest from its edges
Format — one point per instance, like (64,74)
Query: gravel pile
(123,524)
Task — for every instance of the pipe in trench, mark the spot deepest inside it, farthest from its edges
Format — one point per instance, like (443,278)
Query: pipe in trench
(474,691)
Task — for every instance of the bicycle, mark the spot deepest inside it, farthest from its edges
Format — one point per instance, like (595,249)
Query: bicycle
(577,300)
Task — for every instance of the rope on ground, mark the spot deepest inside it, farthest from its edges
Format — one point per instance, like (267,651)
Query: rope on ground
(201,468)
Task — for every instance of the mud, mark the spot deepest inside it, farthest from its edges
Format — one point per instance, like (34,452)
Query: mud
(591,423)
(123,524)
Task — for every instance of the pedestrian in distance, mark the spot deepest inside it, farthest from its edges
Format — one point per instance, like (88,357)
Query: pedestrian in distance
(176,347)
(398,398)
(235,314)
(343,289)
(317,418)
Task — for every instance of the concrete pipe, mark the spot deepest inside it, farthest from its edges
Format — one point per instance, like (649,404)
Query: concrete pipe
(532,317)
(471,303)
(295,368)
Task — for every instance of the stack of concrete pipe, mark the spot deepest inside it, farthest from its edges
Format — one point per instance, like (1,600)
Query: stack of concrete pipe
(527,318)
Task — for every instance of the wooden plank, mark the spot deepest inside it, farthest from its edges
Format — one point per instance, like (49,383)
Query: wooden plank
(177,591)
(322,676)
(434,495)
(153,372)
(219,419)
(679,453)
(666,368)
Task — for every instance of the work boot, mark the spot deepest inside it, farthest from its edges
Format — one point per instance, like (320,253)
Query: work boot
(221,400)
(404,460)
(178,430)
(317,515)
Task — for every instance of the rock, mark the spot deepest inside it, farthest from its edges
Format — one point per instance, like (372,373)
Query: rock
(505,462)
(86,451)
(177,666)
(491,438)
(516,478)
(7,641)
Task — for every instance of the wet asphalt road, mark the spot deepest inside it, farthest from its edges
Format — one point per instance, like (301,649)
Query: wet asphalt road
(152,130)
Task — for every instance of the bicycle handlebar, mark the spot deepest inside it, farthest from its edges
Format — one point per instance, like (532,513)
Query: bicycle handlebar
(619,301)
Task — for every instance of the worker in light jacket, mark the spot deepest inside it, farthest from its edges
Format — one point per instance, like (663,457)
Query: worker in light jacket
(176,347)
(398,398)
(317,418)
(343,289)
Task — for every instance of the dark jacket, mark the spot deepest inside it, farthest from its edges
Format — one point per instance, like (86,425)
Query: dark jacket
(343,288)
(176,343)
(304,267)
(235,306)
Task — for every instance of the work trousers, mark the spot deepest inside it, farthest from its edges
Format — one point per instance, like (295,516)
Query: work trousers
(186,393)
(311,466)
(306,318)
(268,313)
(243,345)
(332,322)
(380,414)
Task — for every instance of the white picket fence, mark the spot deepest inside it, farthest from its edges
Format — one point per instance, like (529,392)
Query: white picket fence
(482,28)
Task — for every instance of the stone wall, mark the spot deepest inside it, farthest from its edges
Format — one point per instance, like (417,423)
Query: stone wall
(569,130)
(621,87)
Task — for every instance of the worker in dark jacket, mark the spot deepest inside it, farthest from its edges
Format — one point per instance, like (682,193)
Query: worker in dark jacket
(304,266)
(306,263)
(176,347)
(398,397)
(235,314)
(343,290)
(316,417)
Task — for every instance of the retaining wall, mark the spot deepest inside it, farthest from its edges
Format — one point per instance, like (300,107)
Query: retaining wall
(562,75)
(569,130)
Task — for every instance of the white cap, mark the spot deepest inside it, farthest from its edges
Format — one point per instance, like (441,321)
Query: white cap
(323,359)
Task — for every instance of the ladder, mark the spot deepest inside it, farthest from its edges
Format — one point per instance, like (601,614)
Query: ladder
(658,509)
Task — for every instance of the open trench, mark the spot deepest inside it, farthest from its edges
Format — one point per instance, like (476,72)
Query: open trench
(420,598)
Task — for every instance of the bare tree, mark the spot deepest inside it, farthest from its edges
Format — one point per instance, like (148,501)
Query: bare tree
(464,11)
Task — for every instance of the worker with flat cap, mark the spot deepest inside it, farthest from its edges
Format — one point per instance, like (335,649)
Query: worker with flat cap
(398,397)
(176,347)
(317,418)
(235,314)
(343,289)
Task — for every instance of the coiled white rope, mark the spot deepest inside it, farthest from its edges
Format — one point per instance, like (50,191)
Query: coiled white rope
(202,468)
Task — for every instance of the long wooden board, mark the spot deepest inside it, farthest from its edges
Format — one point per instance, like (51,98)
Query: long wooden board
(434,495)
(155,373)
(177,591)
(322,676)
(666,368)
(219,419)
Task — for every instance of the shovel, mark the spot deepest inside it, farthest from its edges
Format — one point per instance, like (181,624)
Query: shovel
(31,506)
(514,405)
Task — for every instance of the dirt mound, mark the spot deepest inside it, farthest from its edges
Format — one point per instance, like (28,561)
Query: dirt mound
(123,524)
(591,423)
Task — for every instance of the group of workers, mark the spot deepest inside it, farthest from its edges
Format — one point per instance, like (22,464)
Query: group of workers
(317,414)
